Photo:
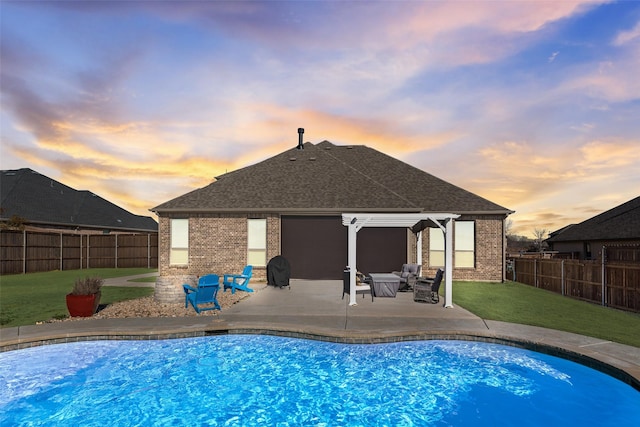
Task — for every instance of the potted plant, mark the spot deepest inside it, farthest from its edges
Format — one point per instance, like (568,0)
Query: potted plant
(84,298)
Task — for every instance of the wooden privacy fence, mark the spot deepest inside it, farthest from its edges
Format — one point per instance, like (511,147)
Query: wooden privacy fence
(614,284)
(29,252)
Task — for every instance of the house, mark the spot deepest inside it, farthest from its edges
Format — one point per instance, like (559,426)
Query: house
(38,202)
(616,227)
(292,204)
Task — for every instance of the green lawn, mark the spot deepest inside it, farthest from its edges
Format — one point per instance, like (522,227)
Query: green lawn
(29,298)
(517,303)
(36,297)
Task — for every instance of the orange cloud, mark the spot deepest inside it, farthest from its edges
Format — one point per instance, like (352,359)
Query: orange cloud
(554,187)
(610,154)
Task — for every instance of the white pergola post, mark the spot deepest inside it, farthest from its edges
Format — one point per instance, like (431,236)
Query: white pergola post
(448,264)
(353,237)
(419,248)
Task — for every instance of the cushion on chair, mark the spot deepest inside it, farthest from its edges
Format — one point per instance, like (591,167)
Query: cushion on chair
(408,269)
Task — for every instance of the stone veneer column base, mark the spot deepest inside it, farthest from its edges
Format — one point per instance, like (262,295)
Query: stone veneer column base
(169,288)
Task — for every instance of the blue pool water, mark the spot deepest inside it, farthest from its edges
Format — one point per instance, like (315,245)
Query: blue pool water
(247,380)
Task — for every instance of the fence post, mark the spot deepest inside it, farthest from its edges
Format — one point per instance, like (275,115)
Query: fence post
(603,274)
(116,252)
(88,249)
(24,251)
(535,272)
(148,250)
(61,251)
(562,277)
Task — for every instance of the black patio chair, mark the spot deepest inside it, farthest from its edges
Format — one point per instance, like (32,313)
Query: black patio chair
(363,288)
(435,286)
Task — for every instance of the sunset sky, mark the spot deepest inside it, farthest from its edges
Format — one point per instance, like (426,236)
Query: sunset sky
(532,105)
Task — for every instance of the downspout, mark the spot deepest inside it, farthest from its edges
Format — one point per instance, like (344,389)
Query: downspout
(419,248)
(504,252)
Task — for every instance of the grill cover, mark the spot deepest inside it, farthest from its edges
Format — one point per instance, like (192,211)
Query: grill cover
(278,271)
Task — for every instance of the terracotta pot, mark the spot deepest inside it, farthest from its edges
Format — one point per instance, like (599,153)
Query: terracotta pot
(83,305)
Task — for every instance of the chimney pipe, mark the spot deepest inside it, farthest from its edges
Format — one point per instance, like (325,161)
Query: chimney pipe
(300,132)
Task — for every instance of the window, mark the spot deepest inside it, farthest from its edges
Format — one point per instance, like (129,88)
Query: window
(436,247)
(179,253)
(257,242)
(464,244)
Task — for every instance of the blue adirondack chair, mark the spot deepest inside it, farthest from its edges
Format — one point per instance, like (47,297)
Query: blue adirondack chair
(205,293)
(238,281)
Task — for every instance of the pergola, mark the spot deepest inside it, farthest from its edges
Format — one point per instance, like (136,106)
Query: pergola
(417,222)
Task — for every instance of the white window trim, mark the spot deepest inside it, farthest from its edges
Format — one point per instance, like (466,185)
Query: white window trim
(257,241)
(464,244)
(436,248)
(179,242)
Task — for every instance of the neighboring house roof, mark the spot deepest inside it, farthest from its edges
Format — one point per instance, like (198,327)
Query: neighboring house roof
(42,200)
(332,179)
(561,230)
(619,223)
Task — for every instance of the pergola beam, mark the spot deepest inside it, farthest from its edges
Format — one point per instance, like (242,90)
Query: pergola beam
(417,222)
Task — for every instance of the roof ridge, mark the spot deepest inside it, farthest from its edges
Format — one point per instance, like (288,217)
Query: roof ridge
(282,154)
(370,178)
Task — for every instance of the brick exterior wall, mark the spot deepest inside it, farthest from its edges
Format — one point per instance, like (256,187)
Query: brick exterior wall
(218,244)
(489,258)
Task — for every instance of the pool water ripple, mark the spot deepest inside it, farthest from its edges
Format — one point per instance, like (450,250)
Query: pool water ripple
(245,380)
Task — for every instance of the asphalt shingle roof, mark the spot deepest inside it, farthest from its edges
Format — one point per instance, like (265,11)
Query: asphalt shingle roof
(330,178)
(39,199)
(619,223)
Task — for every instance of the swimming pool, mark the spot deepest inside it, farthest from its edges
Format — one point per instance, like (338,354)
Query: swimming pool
(247,380)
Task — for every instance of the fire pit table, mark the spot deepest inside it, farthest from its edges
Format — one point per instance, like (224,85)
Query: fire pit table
(384,284)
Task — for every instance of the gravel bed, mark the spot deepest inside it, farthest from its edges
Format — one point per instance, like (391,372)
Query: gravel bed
(149,307)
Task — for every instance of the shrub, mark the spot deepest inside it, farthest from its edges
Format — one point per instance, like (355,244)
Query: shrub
(87,286)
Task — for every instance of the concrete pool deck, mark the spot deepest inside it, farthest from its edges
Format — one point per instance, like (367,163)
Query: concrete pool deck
(314,309)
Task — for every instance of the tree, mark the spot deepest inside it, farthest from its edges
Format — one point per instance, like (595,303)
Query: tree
(508,227)
(539,238)
(14,223)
